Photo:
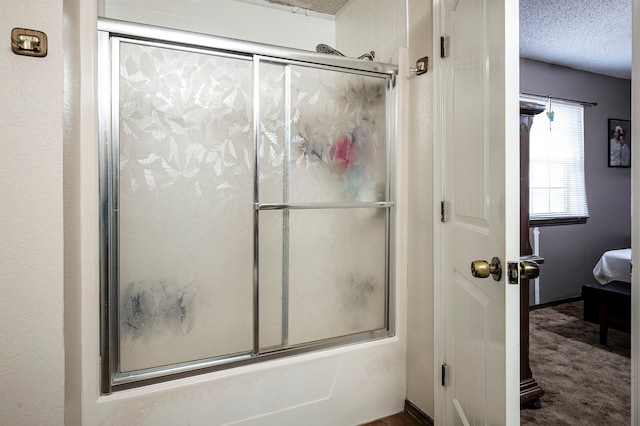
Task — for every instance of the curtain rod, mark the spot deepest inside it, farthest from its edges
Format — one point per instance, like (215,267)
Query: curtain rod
(589,104)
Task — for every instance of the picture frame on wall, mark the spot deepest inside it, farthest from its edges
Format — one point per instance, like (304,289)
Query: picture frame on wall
(619,145)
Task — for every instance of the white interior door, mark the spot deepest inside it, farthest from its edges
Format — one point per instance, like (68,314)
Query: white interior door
(479,152)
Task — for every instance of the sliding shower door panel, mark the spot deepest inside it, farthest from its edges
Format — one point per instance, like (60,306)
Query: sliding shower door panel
(273,297)
(272,131)
(323,257)
(185,194)
(338,136)
(272,183)
(337,273)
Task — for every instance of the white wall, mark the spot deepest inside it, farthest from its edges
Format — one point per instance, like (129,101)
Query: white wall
(420,370)
(228,18)
(31,220)
(363,26)
(347,385)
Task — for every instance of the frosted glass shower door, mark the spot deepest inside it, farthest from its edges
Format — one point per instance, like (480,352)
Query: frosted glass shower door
(323,196)
(246,209)
(185,222)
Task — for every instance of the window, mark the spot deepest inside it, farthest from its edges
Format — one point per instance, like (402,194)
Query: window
(556,176)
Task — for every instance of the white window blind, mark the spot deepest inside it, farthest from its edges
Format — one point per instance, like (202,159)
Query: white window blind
(556,174)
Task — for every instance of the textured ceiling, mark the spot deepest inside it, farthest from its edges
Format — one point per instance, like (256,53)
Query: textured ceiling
(590,35)
(330,7)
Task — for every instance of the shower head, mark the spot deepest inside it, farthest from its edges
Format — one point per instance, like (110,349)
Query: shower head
(324,48)
(370,56)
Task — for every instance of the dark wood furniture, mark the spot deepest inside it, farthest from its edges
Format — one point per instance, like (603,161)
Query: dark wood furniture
(608,305)
(530,391)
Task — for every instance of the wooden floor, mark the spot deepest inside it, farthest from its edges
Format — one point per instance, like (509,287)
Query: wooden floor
(400,419)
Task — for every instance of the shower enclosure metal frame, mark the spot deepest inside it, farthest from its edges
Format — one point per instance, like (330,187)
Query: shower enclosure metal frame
(111,33)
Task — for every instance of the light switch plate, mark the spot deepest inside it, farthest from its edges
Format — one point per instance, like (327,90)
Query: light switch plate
(29,42)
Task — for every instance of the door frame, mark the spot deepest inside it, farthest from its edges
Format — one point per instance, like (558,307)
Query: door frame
(439,324)
(635,217)
(439,291)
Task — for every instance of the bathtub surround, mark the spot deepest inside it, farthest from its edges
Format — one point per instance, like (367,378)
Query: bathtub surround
(44,389)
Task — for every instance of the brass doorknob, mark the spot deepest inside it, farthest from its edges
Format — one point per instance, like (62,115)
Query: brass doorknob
(529,270)
(482,269)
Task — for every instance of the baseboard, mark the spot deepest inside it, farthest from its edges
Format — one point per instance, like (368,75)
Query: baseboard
(419,415)
(555,302)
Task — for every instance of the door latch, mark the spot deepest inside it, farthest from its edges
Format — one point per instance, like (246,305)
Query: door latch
(512,272)
(525,269)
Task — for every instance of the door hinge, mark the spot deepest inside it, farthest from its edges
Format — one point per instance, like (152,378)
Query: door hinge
(445,375)
(443,211)
(444,46)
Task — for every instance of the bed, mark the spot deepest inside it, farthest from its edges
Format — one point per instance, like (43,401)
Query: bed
(608,303)
(614,265)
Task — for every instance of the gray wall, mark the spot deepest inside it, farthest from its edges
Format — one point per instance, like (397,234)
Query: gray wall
(571,251)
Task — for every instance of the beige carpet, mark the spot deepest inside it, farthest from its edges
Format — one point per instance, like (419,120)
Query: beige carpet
(585,383)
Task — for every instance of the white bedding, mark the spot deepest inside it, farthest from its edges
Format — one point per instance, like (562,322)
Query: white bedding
(614,265)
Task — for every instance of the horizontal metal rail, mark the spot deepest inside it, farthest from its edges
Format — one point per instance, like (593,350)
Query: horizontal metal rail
(136,378)
(321,206)
(187,38)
